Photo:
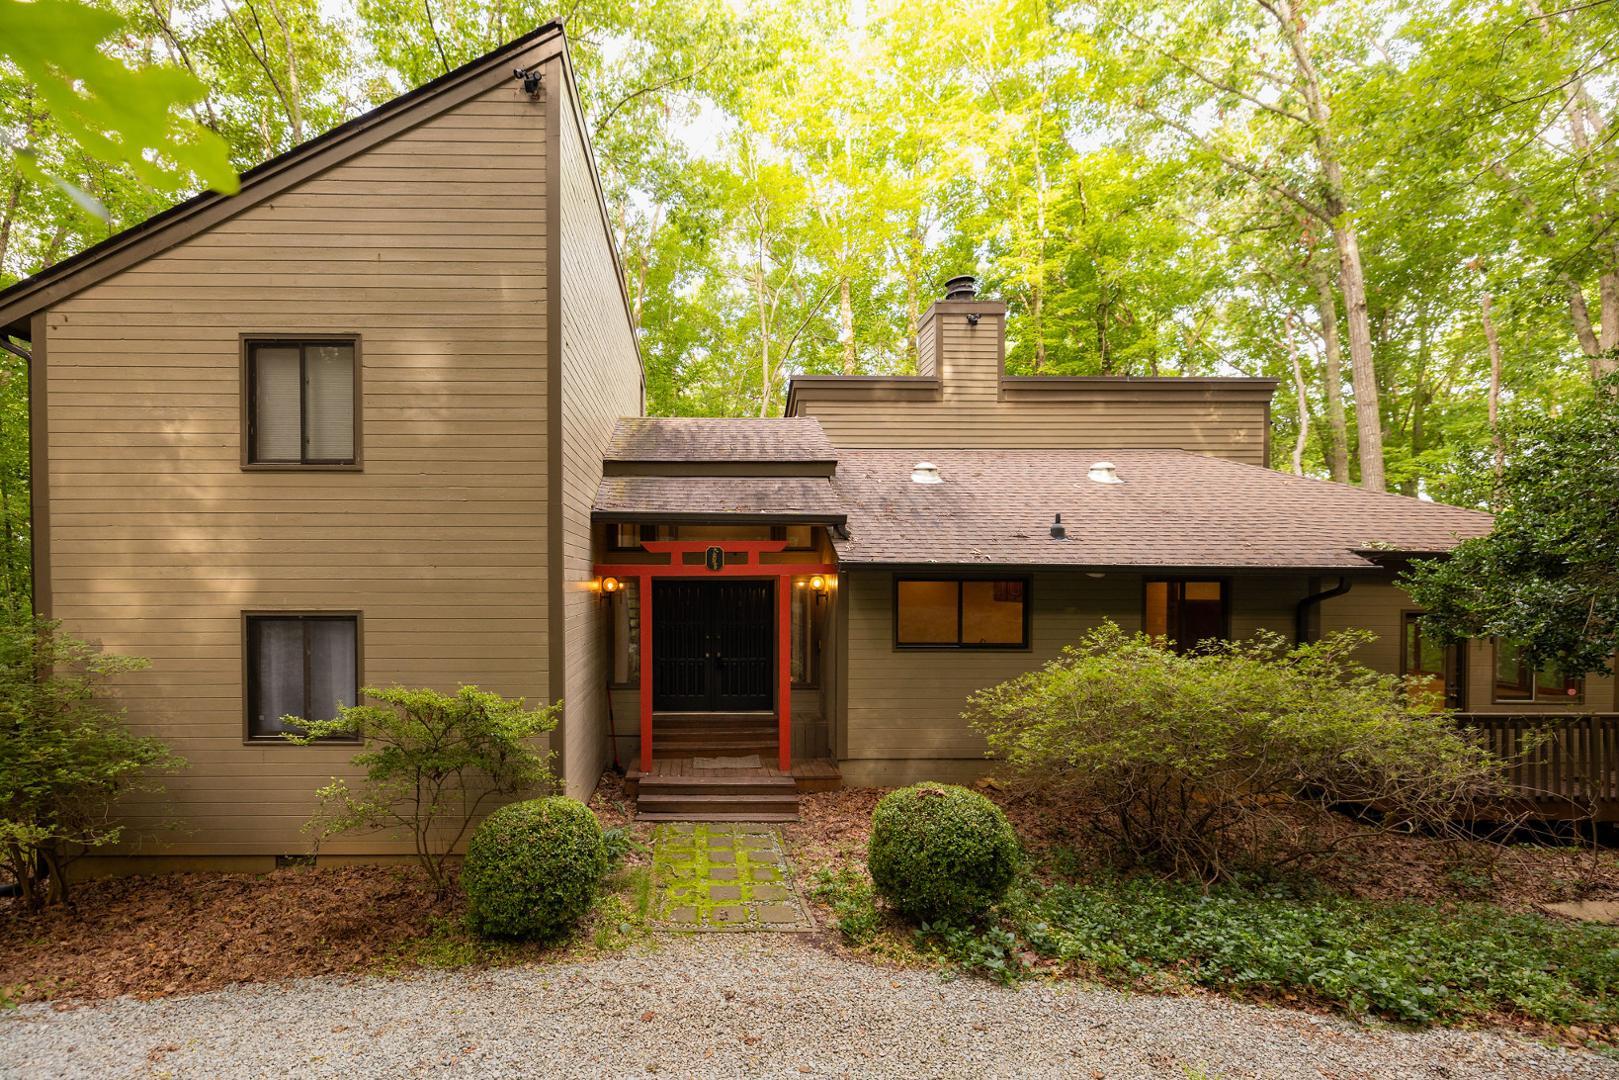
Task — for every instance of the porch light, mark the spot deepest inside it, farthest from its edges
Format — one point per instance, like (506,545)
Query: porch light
(609,584)
(818,583)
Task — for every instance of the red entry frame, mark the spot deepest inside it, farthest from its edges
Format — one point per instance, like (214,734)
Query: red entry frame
(753,566)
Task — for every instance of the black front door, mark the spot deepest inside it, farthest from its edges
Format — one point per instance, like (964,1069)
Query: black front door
(712,645)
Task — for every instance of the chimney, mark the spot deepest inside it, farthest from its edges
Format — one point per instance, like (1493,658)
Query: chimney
(962,341)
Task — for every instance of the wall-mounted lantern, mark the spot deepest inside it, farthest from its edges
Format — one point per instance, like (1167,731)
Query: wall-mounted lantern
(609,585)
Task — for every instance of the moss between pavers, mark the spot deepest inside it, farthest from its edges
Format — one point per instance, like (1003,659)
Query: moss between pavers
(723,877)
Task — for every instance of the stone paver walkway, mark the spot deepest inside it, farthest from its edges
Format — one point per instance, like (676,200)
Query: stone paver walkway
(712,876)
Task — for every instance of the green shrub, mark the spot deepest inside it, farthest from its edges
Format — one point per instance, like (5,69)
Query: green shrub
(1409,961)
(940,852)
(432,762)
(1200,761)
(533,868)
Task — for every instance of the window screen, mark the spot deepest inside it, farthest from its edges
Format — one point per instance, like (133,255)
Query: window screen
(301,403)
(299,665)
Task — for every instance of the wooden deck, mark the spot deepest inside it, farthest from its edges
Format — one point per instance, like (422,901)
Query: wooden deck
(1563,767)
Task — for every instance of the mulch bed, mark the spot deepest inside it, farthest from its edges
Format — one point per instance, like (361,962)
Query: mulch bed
(836,827)
(185,933)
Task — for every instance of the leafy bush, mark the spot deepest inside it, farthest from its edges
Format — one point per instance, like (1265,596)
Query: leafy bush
(1407,961)
(432,762)
(533,868)
(65,756)
(940,852)
(1187,759)
(853,902)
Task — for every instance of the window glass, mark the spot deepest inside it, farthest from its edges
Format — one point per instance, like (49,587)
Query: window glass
(277,428)
(626,607)
(992,612)
(277,674)
(1552,685)
(928,613)
(301,666)
(329,402)
(806,635)
(1513,679)
(1185,612)
(799,537)
(331,666)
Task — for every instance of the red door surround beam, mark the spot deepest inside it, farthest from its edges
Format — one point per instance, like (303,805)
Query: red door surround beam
(645,573)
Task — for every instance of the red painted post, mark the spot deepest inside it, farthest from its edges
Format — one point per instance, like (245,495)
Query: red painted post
(644,589)
(784,672)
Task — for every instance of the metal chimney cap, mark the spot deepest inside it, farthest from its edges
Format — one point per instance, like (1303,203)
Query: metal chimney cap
(925,472)
(961,287)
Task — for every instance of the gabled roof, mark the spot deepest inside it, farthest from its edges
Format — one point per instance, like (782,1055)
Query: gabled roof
(186,219)
(692,439)
(1174,510)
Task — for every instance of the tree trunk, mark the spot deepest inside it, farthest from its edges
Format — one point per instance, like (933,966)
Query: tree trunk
(1486,304)
(1332,374)
(1352,276)
(846,326)
(1303,399)
(1368,415)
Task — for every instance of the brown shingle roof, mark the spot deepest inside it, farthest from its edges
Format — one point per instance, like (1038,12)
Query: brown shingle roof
(690,438)
(1175,509)
(775,498)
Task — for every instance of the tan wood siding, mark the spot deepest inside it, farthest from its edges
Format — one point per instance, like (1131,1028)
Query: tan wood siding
(600,382)
(972,408)
(427,247)
(1378,605)
(904,706)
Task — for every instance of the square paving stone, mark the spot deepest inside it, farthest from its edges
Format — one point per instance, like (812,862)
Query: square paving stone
(722,841)
(770,892)
(722,856)
(682,827)
(777,913)
(725,892)
(683,915)
(730,914)
(753,828)
(722,873)
(754,843)
(765,873)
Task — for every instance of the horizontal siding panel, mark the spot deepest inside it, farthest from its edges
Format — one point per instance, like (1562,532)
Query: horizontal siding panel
(431,248)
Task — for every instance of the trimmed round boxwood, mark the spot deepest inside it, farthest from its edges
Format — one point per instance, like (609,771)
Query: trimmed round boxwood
(940,852)
(533,868)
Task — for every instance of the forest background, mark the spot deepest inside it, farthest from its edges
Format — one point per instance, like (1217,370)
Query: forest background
(1407,213)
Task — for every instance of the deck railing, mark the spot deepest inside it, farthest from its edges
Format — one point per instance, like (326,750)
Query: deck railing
(1562,766)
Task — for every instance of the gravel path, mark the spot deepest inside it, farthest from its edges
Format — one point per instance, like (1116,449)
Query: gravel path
(732,1005)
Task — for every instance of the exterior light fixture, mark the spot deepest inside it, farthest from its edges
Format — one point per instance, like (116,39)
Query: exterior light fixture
(818,583)
(610,584)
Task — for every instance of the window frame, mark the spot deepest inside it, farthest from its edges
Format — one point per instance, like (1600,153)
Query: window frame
(642,528)
(249,679)
(249,342)
(960,580)
(1534,697)
(1455,673)
(1225,604)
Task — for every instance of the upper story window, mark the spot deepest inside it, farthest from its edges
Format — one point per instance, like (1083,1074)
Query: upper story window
(961,613)
(1185,611)
(1515,681)
(299,665)
(302,405)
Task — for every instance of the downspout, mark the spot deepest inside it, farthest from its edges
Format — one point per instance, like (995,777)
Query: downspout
(1301,626)
(16,350)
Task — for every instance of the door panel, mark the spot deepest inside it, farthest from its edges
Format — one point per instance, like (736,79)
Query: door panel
(713,645)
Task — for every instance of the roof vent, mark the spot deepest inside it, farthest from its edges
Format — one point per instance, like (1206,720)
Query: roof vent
(1104,472)
(964,287)
(925,472)
(1058,530)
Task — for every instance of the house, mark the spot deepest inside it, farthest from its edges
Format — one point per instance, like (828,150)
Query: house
(379,419)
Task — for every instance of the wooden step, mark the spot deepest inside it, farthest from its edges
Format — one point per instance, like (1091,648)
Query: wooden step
(767,819)
(729,802)
(717,785)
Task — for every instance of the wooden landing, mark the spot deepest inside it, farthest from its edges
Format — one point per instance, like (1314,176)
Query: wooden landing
(811,774)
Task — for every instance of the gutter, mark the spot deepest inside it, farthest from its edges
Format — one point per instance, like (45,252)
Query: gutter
(1301,625)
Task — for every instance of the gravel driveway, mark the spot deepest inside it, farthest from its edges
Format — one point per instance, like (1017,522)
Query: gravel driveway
(721,1005)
